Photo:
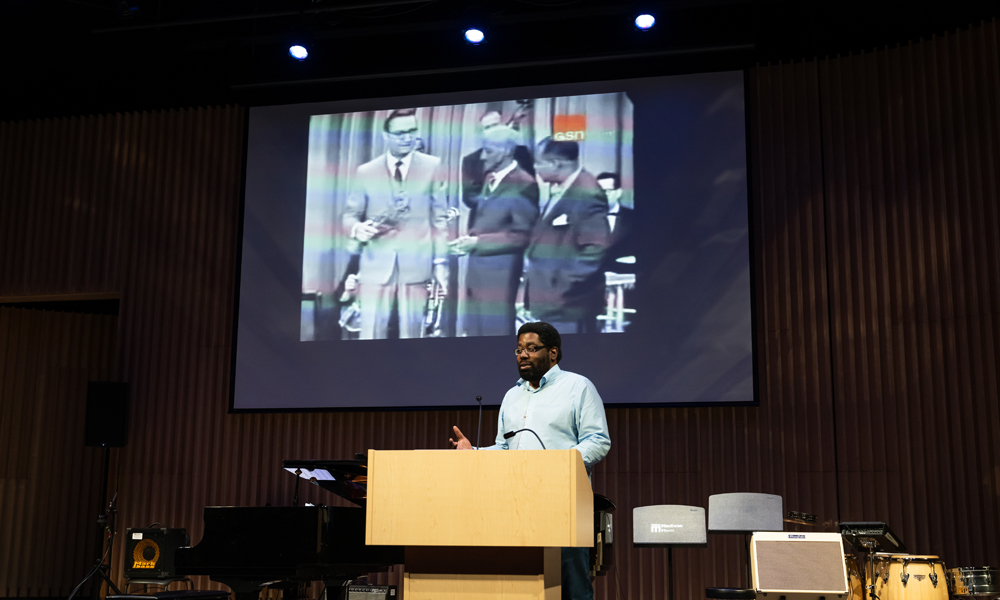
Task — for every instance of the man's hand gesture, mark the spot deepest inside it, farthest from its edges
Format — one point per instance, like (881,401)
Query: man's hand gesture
(364,232)
(461,443)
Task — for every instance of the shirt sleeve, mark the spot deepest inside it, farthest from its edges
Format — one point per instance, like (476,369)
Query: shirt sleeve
(595,440)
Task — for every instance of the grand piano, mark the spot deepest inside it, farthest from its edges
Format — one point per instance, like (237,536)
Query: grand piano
(282,547)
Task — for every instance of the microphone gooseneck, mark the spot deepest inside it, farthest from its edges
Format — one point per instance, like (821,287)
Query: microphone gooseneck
(511,434)
(479,430)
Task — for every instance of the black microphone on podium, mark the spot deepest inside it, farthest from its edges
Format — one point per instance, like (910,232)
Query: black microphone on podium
(511,434)
(479,431)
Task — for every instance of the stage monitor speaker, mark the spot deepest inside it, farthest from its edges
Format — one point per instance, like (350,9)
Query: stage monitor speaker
(667,525)
(371,592)
(107,414)
(745,512)
(149,553)
(799,566)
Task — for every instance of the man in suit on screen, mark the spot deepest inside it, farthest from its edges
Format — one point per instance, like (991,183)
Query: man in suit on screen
(504,212)
(398,211)
(564,276)
(620,219)
(473,171)
(620,258)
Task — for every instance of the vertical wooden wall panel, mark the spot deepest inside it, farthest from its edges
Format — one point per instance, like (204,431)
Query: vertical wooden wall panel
(910,138)
(145,205)
(49,482)
(877,276)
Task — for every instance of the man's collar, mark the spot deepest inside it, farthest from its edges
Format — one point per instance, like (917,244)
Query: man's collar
(505,171)
(392,160)
(550,375)
(562,187)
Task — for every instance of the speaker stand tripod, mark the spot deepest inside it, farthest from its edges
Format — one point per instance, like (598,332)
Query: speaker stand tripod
(105,533)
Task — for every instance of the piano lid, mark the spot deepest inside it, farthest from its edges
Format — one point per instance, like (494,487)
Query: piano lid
(346,478)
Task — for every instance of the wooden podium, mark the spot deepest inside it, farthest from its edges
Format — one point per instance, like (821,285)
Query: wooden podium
(480,524)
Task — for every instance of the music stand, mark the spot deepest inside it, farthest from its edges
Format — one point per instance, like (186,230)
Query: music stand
(346,478)
(669,526)
(870,537)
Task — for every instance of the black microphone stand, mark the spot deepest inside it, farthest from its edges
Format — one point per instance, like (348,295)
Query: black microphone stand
(511,434)
(479,430)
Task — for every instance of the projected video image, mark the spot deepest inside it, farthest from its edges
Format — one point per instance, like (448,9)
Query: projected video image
(391,246)
(468,220)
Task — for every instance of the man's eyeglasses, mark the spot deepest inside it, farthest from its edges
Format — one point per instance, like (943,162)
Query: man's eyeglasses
(400,134)
(528,349)
(549,163)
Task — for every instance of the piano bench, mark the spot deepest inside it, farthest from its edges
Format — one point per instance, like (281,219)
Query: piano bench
(175,595)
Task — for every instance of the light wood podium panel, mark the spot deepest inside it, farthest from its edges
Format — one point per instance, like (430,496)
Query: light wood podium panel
(479,498)
(419,586)
(480,524)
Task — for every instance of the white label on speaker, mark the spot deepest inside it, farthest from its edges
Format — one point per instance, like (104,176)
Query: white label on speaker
(796,537)
(136,536)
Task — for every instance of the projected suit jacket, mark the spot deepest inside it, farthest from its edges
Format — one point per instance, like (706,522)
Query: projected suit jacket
(473,174)
(502,220)
(565,279)
(413,222)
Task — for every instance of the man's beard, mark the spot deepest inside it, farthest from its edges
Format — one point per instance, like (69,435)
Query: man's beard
(532,372)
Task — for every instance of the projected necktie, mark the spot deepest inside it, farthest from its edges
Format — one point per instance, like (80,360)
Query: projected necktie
(399,173)
(555,193)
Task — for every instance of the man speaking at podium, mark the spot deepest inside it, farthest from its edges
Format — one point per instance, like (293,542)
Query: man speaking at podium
(565,411)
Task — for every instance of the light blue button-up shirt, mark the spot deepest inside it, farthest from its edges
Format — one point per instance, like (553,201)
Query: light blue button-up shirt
(565,411)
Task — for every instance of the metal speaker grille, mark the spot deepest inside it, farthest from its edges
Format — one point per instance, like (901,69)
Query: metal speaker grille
(803,566)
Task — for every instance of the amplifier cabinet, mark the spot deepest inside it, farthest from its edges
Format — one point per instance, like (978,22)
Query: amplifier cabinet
(799,566)
(371,592)
(149,553)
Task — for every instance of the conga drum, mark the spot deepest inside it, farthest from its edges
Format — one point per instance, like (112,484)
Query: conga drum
(910,577)
(853,578)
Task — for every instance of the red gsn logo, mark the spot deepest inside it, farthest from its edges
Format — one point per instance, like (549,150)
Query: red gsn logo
(569,128)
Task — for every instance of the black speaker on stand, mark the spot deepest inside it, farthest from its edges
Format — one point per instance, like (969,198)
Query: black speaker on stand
(106,428)
(107,414)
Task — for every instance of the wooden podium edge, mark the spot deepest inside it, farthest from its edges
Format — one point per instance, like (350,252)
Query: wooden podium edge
(370,506)
(583,536)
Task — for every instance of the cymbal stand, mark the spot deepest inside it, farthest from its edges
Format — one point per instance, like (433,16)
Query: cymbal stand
(298,476)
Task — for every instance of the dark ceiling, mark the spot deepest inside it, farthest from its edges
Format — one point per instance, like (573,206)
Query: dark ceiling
(90,56)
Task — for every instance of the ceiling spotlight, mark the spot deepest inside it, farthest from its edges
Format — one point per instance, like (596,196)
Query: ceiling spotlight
(298,52)
(474,36)
(645,21)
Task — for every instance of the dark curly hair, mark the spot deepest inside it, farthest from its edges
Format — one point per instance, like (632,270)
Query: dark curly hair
(547,334)
(399,112)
